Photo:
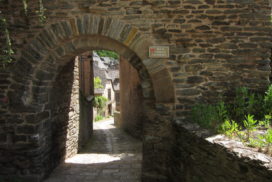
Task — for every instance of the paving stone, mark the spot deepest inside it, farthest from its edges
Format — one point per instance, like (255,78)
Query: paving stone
(111,155)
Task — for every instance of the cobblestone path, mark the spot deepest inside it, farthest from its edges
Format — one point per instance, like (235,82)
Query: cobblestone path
(110,156)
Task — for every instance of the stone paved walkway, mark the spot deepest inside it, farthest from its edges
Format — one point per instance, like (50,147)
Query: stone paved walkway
(110,156)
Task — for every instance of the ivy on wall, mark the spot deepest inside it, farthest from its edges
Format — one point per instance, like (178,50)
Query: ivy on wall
(6,50)
(25,6)
(41,12)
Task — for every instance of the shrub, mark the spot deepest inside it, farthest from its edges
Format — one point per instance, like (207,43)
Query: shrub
(238,109)
(245,103)
(98,118)
(100,102)
(98,83)
(250,125)
(229,128)
(268,100)
(267,140)
(266,122)
(106,53)
(209,116)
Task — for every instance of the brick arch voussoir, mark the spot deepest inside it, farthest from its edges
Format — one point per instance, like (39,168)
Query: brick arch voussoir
(57,40)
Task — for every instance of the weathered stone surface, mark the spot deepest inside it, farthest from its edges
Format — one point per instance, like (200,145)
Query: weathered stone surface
(214,45)
(201,156)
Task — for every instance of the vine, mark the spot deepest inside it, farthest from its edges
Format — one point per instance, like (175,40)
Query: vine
(25,6)
(41,12)
(6,52)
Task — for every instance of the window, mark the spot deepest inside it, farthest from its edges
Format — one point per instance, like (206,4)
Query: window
(109,94)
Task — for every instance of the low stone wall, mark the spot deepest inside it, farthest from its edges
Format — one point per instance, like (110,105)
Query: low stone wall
(199,158)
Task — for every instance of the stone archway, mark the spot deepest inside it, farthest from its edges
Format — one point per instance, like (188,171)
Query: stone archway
(51,51)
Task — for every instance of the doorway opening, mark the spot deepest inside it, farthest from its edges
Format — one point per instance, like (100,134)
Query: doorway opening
(110,100)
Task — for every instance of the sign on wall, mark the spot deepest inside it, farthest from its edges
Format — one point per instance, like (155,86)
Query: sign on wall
(159,51)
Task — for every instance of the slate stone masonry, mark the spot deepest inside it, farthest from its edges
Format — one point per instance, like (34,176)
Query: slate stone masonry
(215,46)
(199,156)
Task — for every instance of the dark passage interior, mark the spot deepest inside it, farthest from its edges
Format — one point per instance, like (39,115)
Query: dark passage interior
(71,127)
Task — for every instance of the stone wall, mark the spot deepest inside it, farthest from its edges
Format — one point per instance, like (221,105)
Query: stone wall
(215,46)
(200,158)
(72,136)
(58,140)
(131,100)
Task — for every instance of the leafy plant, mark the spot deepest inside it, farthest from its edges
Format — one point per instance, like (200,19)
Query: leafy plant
(266,122)
(204,115)
(239,106)
(268,137)
(98,83)
(41,12)
(25,5)
(209,116)
(256,106)
(265,141)
(98,118)
(6,52)
(106,53)
(250,125)
(245,103)
(222,111)
(229,128)
(100,102)
(257,143)
(268,100)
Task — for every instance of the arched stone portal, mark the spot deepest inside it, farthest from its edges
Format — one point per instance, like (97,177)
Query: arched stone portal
(46,62)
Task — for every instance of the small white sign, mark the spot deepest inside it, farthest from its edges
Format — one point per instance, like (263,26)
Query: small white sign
(159,51)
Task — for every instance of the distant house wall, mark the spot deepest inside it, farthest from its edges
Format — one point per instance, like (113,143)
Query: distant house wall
(111,102)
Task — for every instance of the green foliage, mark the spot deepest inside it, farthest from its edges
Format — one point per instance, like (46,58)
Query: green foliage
(6,51)
(246,103)
(268,137)
(41,12)
(98,83)
(229,128)
(222,111)
(250,124)
(98,118)
(25,4)
(257,143)
(256,106)
(106,53)
(209,116)
(239,105)
(204,115)
(266,122)
(100,102)
(265,141)
(248,109)
(268,100)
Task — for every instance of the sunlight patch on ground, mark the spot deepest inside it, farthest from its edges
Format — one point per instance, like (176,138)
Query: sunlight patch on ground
(96,158)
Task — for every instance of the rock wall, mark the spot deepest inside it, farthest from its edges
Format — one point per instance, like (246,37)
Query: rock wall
(131,100)
(199,158)
(61,136)
(215,46)
(72,136)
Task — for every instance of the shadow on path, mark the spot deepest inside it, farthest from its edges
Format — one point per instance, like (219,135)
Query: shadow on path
(110,156)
